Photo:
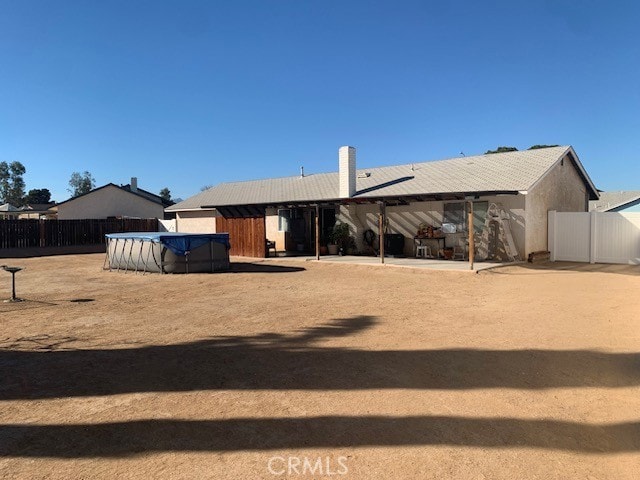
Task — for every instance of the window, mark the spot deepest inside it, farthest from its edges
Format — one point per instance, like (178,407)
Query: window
(284,220)
(455,213)
(287,217)
(458,212)
(479,215)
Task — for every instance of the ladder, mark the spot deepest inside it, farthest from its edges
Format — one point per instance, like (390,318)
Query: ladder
(496,213)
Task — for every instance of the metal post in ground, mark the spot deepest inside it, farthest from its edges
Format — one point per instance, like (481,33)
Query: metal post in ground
(472,245)
(317,232)
(12,271)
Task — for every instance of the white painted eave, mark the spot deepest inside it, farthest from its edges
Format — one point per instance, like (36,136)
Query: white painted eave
(199,209)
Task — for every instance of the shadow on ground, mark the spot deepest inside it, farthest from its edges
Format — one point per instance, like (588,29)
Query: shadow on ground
(242,434)
(41,367)
(247,267)
(297,362)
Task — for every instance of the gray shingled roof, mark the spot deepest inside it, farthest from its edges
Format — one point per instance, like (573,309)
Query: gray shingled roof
(504,172)
(613,201)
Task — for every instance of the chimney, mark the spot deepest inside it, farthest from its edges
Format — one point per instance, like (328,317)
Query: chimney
(347,168)
(134,184)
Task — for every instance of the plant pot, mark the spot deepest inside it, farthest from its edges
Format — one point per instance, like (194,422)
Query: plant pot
(333,249)
(323,250)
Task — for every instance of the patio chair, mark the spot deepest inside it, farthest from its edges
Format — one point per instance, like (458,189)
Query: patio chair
(423,251)
(460,251)
(271,245)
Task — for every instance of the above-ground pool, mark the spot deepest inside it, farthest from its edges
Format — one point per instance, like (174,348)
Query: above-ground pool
(166,252)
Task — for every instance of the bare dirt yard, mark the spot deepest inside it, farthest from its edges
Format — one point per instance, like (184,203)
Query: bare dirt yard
(280,369)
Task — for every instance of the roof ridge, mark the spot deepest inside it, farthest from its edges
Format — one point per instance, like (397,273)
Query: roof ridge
(507,171)
(333,172)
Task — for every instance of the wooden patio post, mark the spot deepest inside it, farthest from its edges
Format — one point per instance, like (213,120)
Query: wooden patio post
(317,232)
(472,245)
(381,220)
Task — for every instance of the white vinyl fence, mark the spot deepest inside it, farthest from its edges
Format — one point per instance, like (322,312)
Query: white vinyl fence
(595,237)
(167,225)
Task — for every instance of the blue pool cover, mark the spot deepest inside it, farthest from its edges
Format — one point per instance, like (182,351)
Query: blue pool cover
(178,243)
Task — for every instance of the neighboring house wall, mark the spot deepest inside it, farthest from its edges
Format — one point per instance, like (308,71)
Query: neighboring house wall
(37,215)
(562,190)
(200,221)
(109,201)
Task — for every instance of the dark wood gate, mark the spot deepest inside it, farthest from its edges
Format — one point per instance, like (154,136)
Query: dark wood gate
(247,235)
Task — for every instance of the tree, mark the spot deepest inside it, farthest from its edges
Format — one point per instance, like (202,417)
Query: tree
(165,194)
(38,195)
(205,187)
(4,181)
(536,147)
(81,183)
(502,150)
(12,183)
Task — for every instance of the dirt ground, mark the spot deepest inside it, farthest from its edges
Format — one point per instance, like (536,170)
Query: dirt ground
(359,371)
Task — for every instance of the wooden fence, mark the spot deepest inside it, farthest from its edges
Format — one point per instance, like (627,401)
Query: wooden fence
(63,233)
(247,235)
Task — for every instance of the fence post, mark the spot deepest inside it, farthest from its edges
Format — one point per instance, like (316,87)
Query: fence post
(41,228)
(551,234)
(592,236)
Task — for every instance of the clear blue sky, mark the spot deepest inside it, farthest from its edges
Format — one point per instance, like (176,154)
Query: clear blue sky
(184,93)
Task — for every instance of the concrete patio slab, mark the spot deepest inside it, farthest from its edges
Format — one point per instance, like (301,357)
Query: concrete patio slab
(407,262)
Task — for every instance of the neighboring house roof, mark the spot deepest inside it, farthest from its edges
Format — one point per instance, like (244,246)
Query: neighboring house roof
(125,188)
(37,207)
(7,207)
(499,172)
(151,196)
(615,201)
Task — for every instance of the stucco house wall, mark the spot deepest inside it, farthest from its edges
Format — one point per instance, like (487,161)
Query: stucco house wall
(109,201)
(405,219)
(562,190)
(271,229)
(197,221)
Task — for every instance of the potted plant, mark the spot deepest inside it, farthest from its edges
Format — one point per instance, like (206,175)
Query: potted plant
(338,239)
(332,246)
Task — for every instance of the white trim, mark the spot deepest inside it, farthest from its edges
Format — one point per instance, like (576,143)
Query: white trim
(190,210)
(551,234)
(584,172)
